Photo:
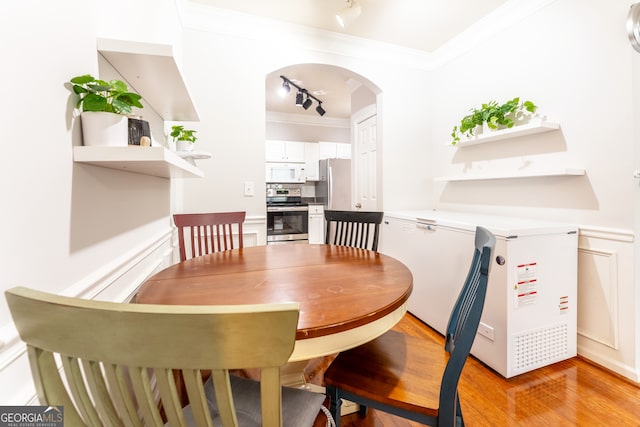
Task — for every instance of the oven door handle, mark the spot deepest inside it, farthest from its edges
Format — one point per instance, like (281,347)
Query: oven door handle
(288,209)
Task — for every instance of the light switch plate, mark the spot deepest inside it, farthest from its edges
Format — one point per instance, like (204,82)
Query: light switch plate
(248,188)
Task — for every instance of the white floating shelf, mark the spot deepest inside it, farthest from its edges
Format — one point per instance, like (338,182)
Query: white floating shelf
(552,173)
(191,156)
(151,71)
(154,161)
(514,132)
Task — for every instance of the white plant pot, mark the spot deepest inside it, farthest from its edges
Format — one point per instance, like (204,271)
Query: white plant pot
(184,146)
(105,129)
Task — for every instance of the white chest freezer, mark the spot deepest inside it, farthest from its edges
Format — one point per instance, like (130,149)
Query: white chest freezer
(529,318)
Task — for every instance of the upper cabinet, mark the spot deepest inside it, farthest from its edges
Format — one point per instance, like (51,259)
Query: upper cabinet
(151,71)
(334,150)
(284,151)
(311,164)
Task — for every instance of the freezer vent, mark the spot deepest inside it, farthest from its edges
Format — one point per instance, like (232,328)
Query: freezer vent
(540,348)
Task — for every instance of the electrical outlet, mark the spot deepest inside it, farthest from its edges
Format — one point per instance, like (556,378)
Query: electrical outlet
(486,331)
(248,188)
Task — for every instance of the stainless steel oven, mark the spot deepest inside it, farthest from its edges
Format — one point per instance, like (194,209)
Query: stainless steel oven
(287,215)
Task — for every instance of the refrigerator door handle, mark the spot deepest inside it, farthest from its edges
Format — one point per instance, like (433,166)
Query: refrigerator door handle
(330,187)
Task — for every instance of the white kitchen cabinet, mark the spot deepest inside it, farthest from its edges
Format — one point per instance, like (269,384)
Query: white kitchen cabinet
(343,151)
(311,161)
(316,224)
(284,151)
(334,150)
(327,150)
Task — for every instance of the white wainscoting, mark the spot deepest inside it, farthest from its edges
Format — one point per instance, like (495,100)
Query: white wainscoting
(116,281)
(606,299)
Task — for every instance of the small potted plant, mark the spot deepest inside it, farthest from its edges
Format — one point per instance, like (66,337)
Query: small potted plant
(495,116)
(184,138)
(104,106)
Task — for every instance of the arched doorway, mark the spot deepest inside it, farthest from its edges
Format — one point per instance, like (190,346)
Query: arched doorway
(349,100)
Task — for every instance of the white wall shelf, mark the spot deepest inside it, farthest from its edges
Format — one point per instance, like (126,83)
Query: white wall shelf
(514,132)
(151,71)
(155,161)
(191,156)
(540,174)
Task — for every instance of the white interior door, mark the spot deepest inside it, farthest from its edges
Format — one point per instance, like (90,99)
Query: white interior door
(365,162)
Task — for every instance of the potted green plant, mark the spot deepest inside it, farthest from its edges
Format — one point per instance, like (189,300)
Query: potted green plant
(494,115)
(184,138)
(104,106)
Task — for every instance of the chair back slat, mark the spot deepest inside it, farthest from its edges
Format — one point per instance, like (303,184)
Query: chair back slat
(353,228)
(204,233)
(128,378)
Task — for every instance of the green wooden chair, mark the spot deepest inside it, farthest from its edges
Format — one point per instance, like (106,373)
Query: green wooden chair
(116,364)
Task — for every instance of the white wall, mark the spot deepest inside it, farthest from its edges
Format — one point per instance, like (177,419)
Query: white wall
(70,228)
(578,70)
(573,59)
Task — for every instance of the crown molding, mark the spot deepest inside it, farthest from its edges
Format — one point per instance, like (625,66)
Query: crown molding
(307,120)
(200,17)
(496,23)
(197,16)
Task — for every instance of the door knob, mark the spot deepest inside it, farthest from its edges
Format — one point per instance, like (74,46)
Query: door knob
(358,205)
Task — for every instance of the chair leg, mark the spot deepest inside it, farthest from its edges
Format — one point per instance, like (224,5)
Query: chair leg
(336,403)
(362,410)
(459,419)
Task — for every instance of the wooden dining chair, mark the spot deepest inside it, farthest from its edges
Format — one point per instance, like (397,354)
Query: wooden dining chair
(204,233)
(114,363)
(353,228)
(412,377)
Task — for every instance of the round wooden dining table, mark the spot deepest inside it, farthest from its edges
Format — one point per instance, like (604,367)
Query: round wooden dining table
(347,296)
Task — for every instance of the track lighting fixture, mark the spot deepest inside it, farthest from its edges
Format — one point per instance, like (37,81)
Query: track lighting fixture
(303,97)
(349,13)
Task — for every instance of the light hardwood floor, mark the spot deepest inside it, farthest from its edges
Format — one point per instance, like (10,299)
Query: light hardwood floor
(570,393)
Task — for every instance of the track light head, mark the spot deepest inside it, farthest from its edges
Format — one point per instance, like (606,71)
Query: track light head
(349,13)
(299,98)
(284,89)
(307,103)
(320,110)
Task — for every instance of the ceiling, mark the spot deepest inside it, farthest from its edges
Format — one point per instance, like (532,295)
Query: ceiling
(423,25)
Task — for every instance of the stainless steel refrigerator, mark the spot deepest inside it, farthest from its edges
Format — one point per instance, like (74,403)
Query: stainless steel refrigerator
(333,189)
